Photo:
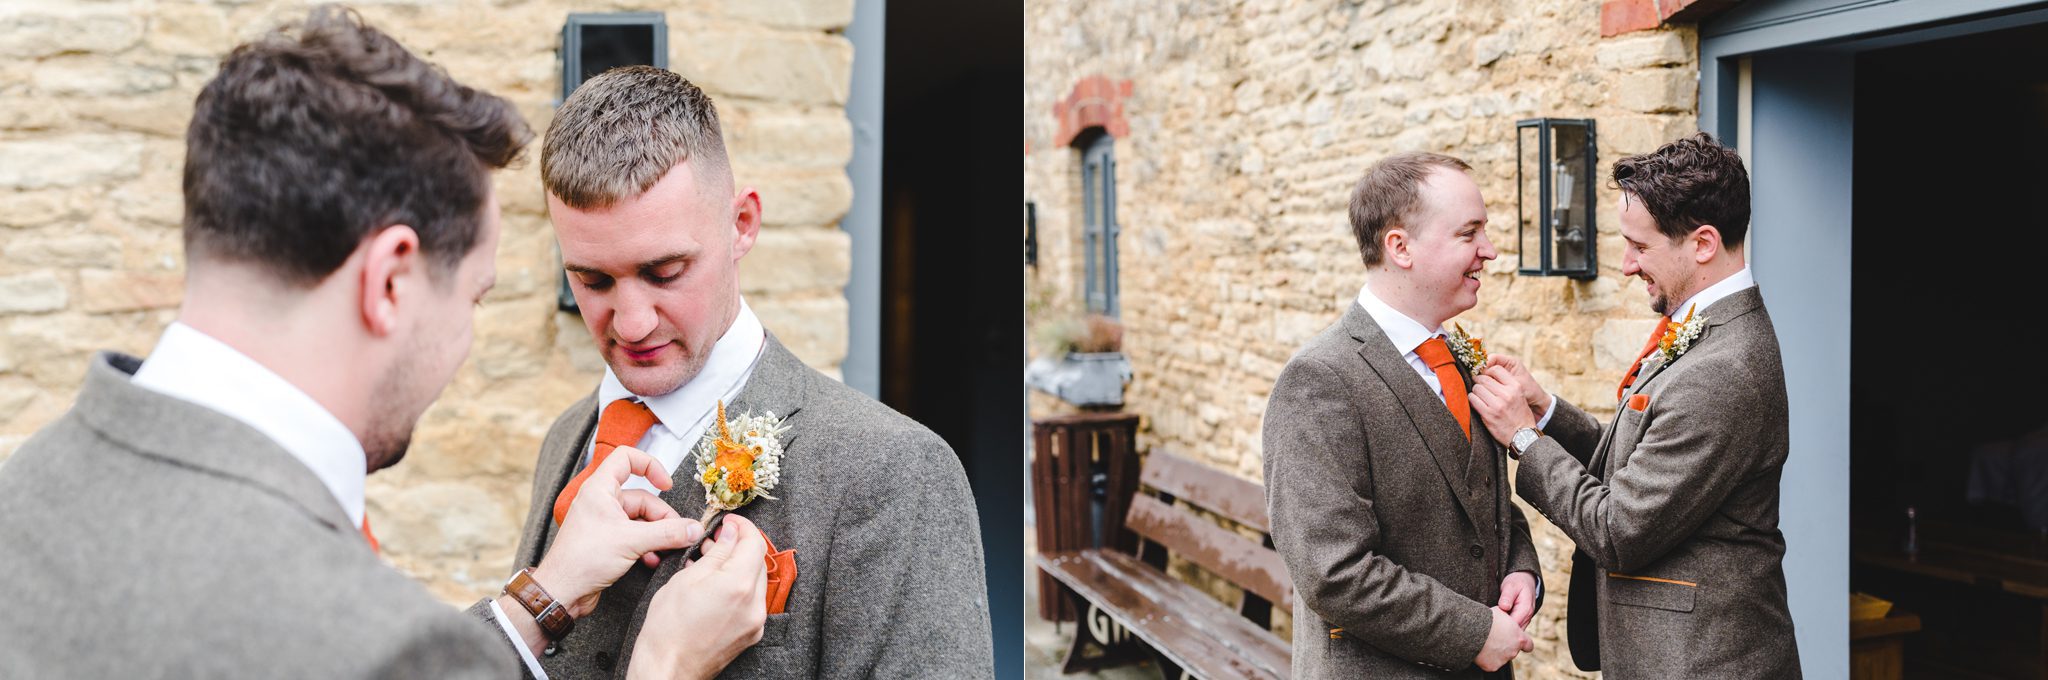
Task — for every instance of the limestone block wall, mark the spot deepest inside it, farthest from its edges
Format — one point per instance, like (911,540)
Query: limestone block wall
(1247,123)
(94,100)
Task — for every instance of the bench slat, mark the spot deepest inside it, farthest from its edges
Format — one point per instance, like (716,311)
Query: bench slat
(1227,553)
(1241,500)
(1185,624)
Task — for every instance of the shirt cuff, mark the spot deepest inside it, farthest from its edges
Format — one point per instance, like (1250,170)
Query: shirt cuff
(1548,411)
(518,643)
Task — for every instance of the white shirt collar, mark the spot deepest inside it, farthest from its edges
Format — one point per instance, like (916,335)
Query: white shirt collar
(731,362)
(1406,333)
(195,367)
(1700,301)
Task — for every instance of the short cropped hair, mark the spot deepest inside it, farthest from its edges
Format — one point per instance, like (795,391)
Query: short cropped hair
(325,131)
(623,130)
(1388,196)
(1688,183)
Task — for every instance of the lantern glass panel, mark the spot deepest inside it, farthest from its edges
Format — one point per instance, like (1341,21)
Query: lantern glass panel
(1570,243)
(1529,230)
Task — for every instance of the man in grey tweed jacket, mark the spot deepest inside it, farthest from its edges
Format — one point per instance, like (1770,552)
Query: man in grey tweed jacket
(1679,568)
(201,514)
(1408,557)
(872,510)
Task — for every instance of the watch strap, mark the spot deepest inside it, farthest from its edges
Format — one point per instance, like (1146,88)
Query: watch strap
(552,616)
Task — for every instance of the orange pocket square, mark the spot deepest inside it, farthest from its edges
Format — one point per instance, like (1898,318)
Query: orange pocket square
(781,575)
(1639,402)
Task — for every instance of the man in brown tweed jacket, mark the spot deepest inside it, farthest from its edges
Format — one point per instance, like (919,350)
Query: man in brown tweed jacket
(1674,505)
(1408,557)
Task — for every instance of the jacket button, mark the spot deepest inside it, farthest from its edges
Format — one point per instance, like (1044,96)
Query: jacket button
(1477,553)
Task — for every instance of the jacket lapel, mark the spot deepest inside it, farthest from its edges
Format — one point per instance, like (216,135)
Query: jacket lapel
(1434,423)
(1720,313)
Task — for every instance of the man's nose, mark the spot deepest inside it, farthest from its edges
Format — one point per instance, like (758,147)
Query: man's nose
(633,317)
(1486,249)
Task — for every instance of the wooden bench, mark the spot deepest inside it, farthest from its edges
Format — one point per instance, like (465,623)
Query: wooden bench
(1134,610)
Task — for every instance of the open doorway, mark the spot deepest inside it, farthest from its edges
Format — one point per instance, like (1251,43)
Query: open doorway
(1948,140)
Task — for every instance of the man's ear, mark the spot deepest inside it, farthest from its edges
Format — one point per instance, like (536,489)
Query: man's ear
(390,257)
(1706,243)
(746,211)
(1394,248)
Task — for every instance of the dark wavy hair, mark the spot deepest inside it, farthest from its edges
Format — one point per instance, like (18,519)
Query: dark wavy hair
(1688,183)
(324,132)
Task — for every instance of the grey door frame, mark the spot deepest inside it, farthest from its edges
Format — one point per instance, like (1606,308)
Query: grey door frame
(1792,64)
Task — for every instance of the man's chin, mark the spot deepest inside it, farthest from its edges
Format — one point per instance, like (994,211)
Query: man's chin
(650,381)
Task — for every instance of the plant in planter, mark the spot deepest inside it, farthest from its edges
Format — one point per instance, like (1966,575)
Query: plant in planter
(1086,367)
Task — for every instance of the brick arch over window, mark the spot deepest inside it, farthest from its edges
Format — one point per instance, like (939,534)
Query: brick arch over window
(1096,101)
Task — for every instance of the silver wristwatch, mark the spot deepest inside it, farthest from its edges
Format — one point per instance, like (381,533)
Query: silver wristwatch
(1523,439)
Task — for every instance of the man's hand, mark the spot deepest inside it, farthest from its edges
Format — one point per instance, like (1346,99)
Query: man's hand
(1501,406)
(709,612)
(608,528)
(1518,597)
(1508,369)
(1503,643)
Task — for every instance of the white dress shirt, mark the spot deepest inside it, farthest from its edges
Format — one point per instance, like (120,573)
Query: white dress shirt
(688,410)
(1408,334)
(190,365)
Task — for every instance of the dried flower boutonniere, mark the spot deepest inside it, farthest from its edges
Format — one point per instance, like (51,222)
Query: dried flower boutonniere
(1468,350)
(1678,337)
(739,460)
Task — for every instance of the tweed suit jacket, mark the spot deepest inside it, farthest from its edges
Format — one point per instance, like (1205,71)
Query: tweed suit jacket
(144,536)
(888,549)
(1674,510)
(1394,526)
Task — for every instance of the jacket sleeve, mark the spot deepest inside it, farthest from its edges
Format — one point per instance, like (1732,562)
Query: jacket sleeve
(1319,492)
(481,611)
(1578,432)
(1692,456)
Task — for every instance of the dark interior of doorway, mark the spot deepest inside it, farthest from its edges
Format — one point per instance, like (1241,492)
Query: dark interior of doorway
(951,287)
(1949,411)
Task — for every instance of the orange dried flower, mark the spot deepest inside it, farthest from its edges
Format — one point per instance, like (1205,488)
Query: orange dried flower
(739,480)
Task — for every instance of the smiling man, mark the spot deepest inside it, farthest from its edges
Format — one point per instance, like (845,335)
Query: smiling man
(1673,506)
(1408,558)
(875,567)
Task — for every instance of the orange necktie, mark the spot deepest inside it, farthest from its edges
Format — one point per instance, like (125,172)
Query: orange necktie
(623,423)
(1438,356)
(1630,379)
(367,536)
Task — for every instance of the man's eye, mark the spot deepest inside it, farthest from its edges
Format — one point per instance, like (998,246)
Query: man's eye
(596,282)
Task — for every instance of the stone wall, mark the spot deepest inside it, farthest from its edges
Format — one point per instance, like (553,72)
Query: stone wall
(1248,121)
(94,100)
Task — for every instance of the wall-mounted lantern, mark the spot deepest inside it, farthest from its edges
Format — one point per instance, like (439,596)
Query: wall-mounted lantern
(1555,164)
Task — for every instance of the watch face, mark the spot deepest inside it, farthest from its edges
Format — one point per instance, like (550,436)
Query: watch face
(1524,439)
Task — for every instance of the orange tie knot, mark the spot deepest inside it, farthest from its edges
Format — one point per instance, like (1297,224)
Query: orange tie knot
(623,423)
(1435,352)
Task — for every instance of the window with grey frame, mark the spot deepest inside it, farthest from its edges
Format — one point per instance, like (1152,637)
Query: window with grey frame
(1099,227)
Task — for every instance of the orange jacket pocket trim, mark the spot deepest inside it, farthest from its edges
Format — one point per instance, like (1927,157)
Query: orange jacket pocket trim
(1639,402)
(1688,584)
